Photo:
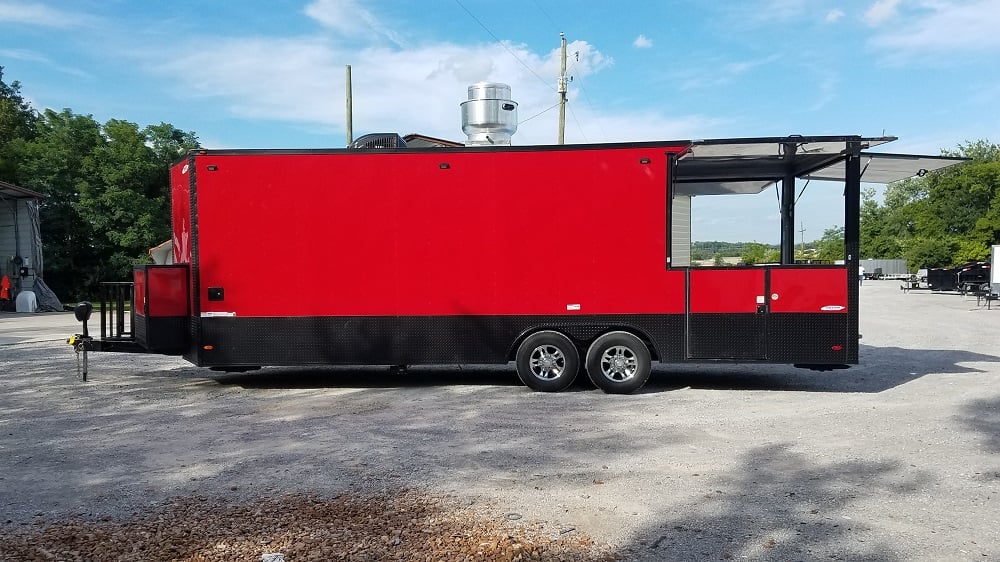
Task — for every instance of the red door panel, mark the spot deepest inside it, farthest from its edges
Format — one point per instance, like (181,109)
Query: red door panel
(814,290)
(726,290)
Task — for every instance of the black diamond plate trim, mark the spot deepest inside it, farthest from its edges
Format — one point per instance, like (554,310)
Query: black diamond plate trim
(809,338)
(726,336)
(162,334)
(193,353)
(411,340)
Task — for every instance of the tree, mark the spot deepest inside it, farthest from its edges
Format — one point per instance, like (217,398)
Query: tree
(57,163)
(17,124)
(831,245)
(107,195)
(942,219)
(124,202)
(757,253)
(877,239)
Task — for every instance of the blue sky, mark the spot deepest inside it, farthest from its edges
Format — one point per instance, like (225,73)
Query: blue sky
(270,74)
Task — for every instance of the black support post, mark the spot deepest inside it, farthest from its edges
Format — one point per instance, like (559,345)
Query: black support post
(788,205)
(852,237)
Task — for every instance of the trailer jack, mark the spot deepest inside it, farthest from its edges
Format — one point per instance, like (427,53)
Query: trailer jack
(82,342)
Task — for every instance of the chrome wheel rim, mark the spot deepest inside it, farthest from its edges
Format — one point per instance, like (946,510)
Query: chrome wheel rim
(547,362)
(619,363)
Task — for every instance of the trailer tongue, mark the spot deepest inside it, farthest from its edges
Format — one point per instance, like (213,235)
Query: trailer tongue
(561,259)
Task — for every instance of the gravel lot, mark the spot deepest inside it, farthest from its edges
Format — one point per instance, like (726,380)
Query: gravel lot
(895,459)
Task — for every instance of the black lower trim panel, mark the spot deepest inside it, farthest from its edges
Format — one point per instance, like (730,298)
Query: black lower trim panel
(409,340)
(810,338)
(162,334)
(727,336)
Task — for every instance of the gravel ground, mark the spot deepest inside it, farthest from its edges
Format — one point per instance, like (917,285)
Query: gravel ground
(895,459)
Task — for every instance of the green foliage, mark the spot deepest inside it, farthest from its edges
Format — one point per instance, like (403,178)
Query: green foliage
(17,122)
(57,163)
(831,245)
(708,250)
(757,253)
(945,218)
(106,186)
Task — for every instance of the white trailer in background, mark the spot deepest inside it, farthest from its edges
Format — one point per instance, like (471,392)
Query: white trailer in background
(885,269)
(994,274)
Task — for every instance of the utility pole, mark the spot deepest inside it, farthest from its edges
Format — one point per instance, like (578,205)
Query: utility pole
(562,91)
(350,109)
(802,233)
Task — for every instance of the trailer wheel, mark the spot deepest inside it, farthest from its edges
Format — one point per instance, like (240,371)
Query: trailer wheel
(547,361)
(618,363)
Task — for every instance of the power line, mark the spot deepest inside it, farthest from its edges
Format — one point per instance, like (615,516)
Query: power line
(535,74)
(546,110)
(542,10)
(586,97)
(577,121)
(502,44)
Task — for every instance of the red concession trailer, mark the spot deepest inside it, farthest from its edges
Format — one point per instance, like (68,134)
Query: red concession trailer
(561,259)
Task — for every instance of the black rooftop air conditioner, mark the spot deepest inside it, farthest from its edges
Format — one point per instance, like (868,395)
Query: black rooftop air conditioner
(379,140)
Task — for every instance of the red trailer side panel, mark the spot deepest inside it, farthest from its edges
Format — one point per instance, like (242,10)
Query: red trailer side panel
(815,290)
(582,232)
(139,291)
(180,193)
(168,290)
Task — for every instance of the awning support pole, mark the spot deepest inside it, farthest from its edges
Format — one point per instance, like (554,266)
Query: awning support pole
(852,238)
(788,205)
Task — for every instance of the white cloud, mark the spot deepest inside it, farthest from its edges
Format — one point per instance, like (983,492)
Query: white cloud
(826,92)
(783,9)
(834,15)
(717,74)
(39,14)
(33,56)
(348,18)
(23,54)
(944,29)
(407,89)
(641,42)
(881,11)
(301,80)
(585,124)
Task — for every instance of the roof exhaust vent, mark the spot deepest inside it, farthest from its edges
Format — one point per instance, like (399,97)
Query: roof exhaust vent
(379,140)
(489,117)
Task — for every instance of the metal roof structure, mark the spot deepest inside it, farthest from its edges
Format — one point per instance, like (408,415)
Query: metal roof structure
(11,191)
(750,165)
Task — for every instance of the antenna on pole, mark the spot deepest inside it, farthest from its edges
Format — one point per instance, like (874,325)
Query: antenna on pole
(562,90)
(350,109)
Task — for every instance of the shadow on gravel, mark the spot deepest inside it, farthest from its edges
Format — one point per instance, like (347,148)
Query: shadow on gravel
(367,377)
(983,417)
(881,368)
(779,505)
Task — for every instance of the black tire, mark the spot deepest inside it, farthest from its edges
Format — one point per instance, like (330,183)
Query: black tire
(618,363)
(547,361)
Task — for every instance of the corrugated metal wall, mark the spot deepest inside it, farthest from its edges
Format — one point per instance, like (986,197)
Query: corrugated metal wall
(17,238)
(680,231)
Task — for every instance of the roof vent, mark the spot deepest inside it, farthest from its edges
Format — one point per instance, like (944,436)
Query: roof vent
(490,116)
(379,140)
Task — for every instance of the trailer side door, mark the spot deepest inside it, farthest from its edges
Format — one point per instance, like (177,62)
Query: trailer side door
(727,313)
